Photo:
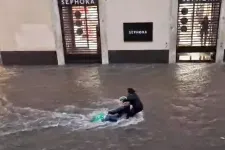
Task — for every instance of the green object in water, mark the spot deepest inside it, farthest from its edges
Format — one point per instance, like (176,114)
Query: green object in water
(98,118)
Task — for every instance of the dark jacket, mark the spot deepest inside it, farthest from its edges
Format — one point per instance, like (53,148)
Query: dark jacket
(135,101)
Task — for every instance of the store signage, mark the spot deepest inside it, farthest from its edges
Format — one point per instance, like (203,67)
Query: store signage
(78,2)
(139,32)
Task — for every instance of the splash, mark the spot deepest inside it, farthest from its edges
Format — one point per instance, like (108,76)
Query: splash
(16,119)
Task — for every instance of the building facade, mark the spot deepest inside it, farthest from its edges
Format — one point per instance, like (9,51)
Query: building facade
(59,32)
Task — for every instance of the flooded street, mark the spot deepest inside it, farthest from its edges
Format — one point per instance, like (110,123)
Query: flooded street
(49,108)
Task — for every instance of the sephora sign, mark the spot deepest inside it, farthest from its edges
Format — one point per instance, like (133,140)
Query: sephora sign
(138,32)
(78,2)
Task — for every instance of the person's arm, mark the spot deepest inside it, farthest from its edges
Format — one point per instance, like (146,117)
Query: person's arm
(129,99)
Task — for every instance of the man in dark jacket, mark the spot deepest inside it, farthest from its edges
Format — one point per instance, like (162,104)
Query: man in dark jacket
(134,101)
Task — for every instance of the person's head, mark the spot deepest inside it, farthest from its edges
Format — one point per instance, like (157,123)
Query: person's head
(130,91)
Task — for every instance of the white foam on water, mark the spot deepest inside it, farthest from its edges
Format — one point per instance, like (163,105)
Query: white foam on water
(17,119)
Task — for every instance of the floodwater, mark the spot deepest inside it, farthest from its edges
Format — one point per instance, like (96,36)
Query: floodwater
(49,108)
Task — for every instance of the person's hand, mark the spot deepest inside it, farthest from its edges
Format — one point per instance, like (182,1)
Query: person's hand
(126,103)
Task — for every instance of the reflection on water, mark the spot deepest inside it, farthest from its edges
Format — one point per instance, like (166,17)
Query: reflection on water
(183,107)
(89,78)
(192,78)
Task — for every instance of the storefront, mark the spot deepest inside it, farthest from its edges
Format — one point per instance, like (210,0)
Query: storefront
(198,24)
(48,32)
(80,30)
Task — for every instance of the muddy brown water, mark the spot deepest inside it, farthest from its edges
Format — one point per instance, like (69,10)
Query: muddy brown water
(44,108)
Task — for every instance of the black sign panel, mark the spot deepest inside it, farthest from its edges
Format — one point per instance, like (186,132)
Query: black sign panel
(78,2)
(138,32)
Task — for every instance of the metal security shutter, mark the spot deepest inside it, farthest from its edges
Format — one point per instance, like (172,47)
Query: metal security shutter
(198,22)
(80,28)
(67,28)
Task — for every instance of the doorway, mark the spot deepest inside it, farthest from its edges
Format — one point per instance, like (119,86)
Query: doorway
(197,31)
(80,30)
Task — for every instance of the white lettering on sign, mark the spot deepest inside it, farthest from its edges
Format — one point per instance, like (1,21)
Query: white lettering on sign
(77,2)
(138,32)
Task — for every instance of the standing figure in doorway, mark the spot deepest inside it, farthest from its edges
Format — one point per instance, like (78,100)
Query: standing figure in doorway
(204,30)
